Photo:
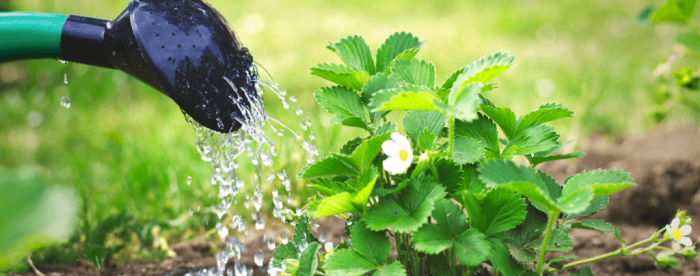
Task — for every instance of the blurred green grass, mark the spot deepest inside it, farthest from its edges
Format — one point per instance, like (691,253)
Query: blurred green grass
(122,146)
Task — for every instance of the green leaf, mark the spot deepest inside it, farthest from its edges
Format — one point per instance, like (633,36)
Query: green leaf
(387,127)
(355,52)
(584,271)
(350,146)
(471,181)
(576,201)
(365,153)
(434,238)
(596,205)
(393,269)
(463,102)
(558,241)
(690,40)
(426,140)
(332,165)
(97,254)
(290,250)
(541,116)
(602,182)
(328,187)
(342,102)
(472,248)
(482,129)
(412,209)
(347,262)
(674,11)
(594,224)
(471,205)
(519,238)
(414,122)
(347,202)
(395,45)
(520,179)
(385,192)
(378,82)
(406,97)
(539,160)
(308,261)
(439,266)
(504,117)
(449,174)
(414,71)
(482,70)
(354,122)
(532,139)
(501,260)
(341,75)
(374,246)
(645,14)
(503,210)
(430,238)
(467,150)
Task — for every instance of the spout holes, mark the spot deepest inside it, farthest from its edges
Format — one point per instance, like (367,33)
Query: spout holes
(157,35)
(194,46)
(153,23)
(179,46)
(162,47)
(173,34)
(170,58)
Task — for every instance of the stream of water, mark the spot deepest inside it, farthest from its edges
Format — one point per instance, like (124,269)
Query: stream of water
(225,152)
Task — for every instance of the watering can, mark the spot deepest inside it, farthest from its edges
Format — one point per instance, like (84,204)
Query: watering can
(183,48)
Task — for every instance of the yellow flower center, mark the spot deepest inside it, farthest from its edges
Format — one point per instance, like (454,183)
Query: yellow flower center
(403,154)
(677,234)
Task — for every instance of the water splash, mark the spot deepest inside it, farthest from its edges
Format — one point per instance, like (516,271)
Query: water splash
(65,78)
(65,102)
(250,146)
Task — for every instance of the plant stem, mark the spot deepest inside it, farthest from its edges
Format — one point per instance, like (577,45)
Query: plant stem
(453,261)
(543,251)
(450,135)
(624,251)
(434,170)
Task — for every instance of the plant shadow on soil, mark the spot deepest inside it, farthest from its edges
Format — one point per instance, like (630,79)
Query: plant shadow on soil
(665,166)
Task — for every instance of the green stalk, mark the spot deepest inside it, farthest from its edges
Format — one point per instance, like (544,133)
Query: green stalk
(451,135)
(624,251)
(543,251)
(453,261)
(434,170)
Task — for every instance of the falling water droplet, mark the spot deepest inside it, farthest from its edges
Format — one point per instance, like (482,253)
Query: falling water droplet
(284,238)
(189,180)
(312,136)
(299,111)
(213,180)
(270,243)
(65,78)
(322,238)
(65,102)
(315,227)
(259,258)
(191,212)
(62,61)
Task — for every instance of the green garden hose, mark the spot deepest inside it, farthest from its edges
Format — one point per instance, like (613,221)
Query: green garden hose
(30,35)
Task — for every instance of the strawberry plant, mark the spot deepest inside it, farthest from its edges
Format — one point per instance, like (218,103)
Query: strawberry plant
(447,192)
(676,87)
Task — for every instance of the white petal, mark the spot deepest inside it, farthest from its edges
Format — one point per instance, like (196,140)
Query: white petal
(669,230)
(390,148)
(401,140)
(393,165)
(686,241)
(406,164)
(409,157)
(675,223)
(686,229)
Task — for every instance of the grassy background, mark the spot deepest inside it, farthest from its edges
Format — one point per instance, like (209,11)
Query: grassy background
(124,146)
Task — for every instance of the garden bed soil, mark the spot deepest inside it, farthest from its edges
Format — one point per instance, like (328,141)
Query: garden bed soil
(665,166)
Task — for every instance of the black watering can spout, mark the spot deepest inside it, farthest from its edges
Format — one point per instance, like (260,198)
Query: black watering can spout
(183,48)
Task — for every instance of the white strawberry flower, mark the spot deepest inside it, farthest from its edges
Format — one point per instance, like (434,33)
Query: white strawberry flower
(679,233)
(400,154)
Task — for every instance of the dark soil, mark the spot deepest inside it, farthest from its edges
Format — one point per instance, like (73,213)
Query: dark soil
(665,166)
(666,169)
